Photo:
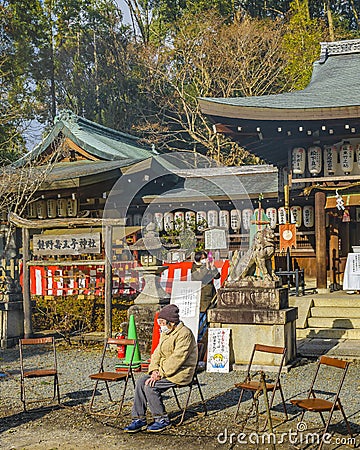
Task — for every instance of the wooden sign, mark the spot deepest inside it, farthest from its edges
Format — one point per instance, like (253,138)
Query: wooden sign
(215,240)
(218,350)
(186,296)
(66,244)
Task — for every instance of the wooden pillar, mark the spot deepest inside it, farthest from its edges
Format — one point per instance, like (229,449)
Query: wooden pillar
(320,238)
(28,330)
(108,281)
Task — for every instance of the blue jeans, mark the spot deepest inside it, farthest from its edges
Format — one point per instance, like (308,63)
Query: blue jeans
(203,326)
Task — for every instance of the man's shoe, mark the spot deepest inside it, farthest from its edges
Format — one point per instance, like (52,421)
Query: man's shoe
(135,426)
(159,425)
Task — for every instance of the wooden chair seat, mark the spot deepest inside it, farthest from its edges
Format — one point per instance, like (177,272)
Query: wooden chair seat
(108,376)
(40,373)
(254,385)
(314,404)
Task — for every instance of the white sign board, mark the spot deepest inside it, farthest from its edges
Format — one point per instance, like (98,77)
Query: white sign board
(215,240)
(67,244)
(186,296)
(218,350)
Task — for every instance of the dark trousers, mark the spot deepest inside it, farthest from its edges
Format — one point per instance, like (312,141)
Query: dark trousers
(150,395)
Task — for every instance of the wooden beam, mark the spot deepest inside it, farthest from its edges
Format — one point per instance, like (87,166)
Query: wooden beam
(69,222)
(28,331)
(320,239)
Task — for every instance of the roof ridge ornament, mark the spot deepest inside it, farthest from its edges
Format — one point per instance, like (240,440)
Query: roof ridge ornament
(65,115)
(338,48)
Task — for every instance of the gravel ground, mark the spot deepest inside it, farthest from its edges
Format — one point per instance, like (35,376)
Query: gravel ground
(71,427)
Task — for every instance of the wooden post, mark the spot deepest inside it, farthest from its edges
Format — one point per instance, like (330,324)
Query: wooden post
(320,237)
(108,281)
(28,330)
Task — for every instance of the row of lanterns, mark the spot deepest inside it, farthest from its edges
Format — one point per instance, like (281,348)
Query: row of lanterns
(43,209)
(315,157)
(227,219)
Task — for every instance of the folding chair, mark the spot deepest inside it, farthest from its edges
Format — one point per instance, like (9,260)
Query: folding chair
(194,383)
(320,405)
(46,347)
(254,386)
(112,376)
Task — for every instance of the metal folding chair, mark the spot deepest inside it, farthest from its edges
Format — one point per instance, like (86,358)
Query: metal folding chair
(194,383)
(254,386)
(46,348)
(108,376)
(316,404)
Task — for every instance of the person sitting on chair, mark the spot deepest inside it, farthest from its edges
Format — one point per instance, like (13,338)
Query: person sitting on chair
(204,270)
(173,363)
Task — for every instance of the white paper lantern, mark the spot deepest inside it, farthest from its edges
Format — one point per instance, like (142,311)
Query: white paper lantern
(358,154)
(308,216)
(212,218)
(61,207)
(314,159)
(224,218)
(295,215)
(346,158)
(235,219)
(298,160)
(246,218)
(41,209)
(330,159)
(71,207)
(31,210)
(190,218)
(158,219)
(281,215)
(51,208)
(201,220)
(168,221)
(179,218)
(272,215)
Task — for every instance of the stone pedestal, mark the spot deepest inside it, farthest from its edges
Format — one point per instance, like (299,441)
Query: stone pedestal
(150,300)
(257,313)
(11,321)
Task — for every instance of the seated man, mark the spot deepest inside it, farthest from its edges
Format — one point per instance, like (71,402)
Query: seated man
(173,363)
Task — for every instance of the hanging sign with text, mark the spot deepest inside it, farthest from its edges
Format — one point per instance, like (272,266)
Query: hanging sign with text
(67,244)
(218,350)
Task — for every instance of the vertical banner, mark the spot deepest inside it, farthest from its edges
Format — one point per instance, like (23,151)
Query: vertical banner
(218,350)
(287,233)
(186,296)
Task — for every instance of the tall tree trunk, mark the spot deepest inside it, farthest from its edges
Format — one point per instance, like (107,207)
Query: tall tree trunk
(330,21)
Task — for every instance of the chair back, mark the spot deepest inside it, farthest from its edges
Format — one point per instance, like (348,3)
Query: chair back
(115,341)
(267,349)
(45,345)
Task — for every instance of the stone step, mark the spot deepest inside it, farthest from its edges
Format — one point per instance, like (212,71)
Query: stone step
(352,302)
(336,311)
(328,333)
(331,322)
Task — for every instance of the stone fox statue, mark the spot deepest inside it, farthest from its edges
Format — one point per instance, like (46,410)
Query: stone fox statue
(258,256)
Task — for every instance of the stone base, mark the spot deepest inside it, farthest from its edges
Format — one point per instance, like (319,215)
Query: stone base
(11,323)
(144,321)
(244,295)
(252,316)
(244,336)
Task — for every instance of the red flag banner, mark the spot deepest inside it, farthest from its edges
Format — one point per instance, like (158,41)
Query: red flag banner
(287,233)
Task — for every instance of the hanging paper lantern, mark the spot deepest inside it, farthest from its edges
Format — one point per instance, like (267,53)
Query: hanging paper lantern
(201,220)
(212,218)
(190,218)
(235,219)
(71,207)
(61,204)
(168,221)
(41,209)
(314,159)
(31,210)
(330,159)
(281,215)
(246,218)
(295,215)
(179,217)
(298,160)
(308,216)
(51,208)
(346,157)
(137,220)
(272,215)
(158,219)
(358,154)
(224,218)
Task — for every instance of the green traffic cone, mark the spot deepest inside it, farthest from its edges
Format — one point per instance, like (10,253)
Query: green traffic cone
(129,348)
